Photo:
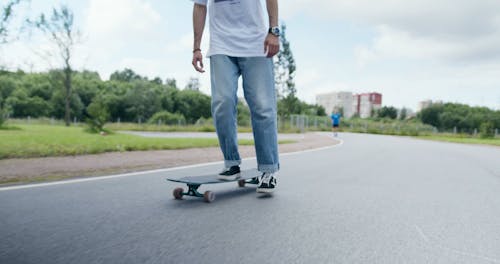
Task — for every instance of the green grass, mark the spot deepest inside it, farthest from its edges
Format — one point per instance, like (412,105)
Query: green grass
(36,140)
(156,128)
(187,128)
(464,140)
(9,128)
(45,140)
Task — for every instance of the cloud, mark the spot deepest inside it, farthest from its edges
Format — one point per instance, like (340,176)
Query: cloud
(183,44)
(114,30)
(129,18)
(450,31)
(112,27)
(142,66)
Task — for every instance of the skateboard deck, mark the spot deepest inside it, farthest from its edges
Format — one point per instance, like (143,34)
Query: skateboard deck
(194,182)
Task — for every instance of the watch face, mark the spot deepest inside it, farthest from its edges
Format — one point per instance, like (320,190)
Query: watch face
(275,31)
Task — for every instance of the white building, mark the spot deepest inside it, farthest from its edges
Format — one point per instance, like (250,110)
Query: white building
(424,104)
(427,103)
(336,101)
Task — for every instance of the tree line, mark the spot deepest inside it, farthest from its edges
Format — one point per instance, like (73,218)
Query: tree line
(126,96)
(461,118)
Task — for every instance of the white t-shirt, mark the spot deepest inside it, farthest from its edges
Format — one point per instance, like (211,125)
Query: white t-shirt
(237,27)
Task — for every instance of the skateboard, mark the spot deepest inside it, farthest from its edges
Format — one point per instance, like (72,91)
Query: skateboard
(194,182)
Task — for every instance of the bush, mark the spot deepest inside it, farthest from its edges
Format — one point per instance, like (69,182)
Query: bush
(167,118)
(204,122)
(98,115)
(487,130)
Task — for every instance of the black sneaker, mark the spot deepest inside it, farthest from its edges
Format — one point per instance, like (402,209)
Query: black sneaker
(229,174)
(267,183)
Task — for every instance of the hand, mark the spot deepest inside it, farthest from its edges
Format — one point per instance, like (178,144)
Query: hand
(198,61)
(271,45)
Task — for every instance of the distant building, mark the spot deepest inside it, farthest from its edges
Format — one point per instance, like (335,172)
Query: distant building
(427,103)
(365,104)
(424,104)
(361,104)
(336,101)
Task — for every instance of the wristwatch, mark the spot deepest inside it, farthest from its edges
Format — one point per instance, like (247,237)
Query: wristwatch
(274,31)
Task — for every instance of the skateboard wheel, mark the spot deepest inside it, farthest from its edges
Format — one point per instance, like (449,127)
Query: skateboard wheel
(241,183)
(209,196)
(178,192)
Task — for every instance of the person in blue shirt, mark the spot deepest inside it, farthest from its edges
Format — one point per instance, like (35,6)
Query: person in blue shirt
(335,122)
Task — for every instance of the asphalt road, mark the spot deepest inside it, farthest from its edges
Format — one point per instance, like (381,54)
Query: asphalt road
(373,199)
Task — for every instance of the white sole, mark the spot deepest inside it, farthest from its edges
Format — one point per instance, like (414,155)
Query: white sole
(265,190)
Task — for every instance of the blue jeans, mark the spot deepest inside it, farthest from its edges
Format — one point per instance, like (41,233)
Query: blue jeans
(258,87)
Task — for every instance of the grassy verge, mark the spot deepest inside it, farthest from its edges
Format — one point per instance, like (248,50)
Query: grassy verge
(28,141)
(44,141)
(184,128)
(157,128)
(463,140)
(9,128)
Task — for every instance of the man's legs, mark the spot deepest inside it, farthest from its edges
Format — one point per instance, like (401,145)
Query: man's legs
(224,73)
(258,87)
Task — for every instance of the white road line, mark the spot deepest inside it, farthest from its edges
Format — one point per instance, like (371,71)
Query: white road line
(98,178)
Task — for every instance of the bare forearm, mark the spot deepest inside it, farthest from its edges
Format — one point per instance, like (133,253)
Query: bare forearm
(272,10)
(199,17)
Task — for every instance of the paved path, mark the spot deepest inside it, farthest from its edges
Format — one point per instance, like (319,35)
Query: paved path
(204,135)
(373,199)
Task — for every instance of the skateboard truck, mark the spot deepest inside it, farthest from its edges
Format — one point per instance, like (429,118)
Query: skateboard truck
(208,196)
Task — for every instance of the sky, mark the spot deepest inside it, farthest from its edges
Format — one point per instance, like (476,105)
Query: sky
(408,50)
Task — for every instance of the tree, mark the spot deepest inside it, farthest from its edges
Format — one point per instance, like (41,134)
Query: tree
(487,130)
(157,80)
(126,75)
(387,112)
(87,85)
(141,101)
(431,115)
(193,84)
(58,105)
(5,18)
(169,99)
(244,117)
(284,68)
(2,112)
(289,105)
(193,105)
(98,115)
(171,82)
(61,30)
(7,86)
(22,105)
(403,114)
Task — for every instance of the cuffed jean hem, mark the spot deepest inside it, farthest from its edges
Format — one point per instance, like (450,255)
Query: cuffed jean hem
(231,163)
(269,168)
